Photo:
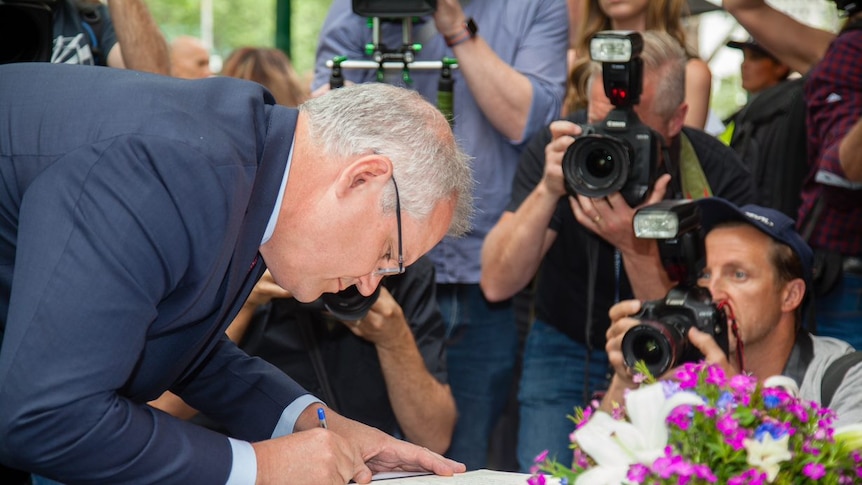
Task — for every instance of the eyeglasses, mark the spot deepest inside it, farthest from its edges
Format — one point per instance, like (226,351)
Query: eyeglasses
(400,268)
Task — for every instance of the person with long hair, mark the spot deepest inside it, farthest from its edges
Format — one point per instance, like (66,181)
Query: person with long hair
(639,15)
(269,67)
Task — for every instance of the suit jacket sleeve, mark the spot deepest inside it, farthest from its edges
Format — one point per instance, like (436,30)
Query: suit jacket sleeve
(119,255)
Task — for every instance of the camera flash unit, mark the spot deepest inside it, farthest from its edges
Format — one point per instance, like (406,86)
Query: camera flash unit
(615,46)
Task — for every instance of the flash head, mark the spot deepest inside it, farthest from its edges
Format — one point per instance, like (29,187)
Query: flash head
(616,46)
(667,219)
(676,226)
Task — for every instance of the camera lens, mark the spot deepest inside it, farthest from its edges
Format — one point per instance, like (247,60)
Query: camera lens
(599,163)
(349,304)
(596,166)
(657,344)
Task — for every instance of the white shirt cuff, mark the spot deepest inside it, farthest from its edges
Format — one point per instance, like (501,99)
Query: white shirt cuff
(243,470)
(291,413)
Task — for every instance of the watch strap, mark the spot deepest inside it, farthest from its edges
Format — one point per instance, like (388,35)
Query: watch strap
(467,32)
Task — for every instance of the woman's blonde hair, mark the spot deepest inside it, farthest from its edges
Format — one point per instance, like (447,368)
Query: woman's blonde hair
(269,67)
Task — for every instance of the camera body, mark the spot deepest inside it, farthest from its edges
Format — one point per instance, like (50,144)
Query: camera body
(660,339)
(348,304)
(619,153)
(26,30)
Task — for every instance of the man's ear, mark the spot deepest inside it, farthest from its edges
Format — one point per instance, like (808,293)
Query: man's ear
(674,126)
(369,172)
(793,293)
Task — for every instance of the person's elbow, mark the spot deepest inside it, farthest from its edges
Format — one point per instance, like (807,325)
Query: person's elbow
(440,441)
(491,278)
(493,288)
(21,446)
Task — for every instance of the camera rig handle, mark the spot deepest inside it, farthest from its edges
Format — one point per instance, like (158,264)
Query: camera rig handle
(403,58)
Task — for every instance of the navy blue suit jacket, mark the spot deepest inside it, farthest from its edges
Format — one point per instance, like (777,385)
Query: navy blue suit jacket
(132,207)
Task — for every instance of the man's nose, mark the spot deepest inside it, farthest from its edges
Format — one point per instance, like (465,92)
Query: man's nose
(368,284)
(716,288)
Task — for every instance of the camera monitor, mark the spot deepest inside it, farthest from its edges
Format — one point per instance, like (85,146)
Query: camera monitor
(394,8)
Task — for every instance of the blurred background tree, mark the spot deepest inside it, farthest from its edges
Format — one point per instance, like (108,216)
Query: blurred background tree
(237,23)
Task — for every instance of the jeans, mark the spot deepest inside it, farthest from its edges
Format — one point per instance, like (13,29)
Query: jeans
(552,385)
(839,312)
(482,344)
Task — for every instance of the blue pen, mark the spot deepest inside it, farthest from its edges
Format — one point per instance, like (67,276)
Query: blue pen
(321,416)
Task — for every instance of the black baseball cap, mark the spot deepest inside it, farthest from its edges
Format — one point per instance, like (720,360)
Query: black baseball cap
(773,223)
(750,44)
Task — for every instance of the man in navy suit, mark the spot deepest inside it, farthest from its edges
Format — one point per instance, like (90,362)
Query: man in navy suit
(136,213)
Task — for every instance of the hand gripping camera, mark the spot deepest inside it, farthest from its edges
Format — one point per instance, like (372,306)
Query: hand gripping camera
(620,153)
(660,340)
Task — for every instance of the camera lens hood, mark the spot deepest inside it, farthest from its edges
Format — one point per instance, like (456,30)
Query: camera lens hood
(657,344)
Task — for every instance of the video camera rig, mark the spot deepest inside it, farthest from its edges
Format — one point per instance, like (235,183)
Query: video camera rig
(402,57)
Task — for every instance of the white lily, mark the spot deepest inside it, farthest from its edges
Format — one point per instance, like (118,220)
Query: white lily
(615,445)
(767,454)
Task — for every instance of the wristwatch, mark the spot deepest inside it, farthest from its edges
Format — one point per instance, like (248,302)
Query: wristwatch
(468,31)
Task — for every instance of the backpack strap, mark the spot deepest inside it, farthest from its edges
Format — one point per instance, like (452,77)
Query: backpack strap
(93,23)
(834,375)
(694,183)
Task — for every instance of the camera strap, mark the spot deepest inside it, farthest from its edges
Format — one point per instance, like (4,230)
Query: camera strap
(694,183)
(312,345)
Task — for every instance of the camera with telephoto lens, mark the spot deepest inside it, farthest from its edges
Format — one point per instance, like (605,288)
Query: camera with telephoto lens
(26,30)
(620,153)
(660,339)
(348,304)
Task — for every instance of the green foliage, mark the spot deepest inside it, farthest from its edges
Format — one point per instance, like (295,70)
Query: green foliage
(238,23)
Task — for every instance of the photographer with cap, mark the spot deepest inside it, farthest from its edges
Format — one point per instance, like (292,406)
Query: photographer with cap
(582,250)
(758,268)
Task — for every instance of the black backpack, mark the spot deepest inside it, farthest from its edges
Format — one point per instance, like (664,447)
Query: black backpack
(770,136)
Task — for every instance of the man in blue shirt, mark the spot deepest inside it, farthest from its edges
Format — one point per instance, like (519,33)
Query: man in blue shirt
(509,83)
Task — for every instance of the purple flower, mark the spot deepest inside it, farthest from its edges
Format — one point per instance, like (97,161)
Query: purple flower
(637,473)
(536,480)
(814,471)
(743,384)
(715,376)
(704,473)
(687,377)
(541,457)
(750,477)
(680,417)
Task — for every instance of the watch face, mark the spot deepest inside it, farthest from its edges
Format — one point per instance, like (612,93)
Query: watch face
(472,27)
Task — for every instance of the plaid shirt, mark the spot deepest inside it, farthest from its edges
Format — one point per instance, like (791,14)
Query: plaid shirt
(834,96)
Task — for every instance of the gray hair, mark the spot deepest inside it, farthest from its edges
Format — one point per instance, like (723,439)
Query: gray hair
(399,124)
(664,61)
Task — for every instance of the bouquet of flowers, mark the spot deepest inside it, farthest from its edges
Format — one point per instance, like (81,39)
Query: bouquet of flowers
(704,428)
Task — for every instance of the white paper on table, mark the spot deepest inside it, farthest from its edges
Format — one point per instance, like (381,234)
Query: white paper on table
(476,477)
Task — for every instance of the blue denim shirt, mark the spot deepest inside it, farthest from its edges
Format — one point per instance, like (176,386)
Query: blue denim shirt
(531,36)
